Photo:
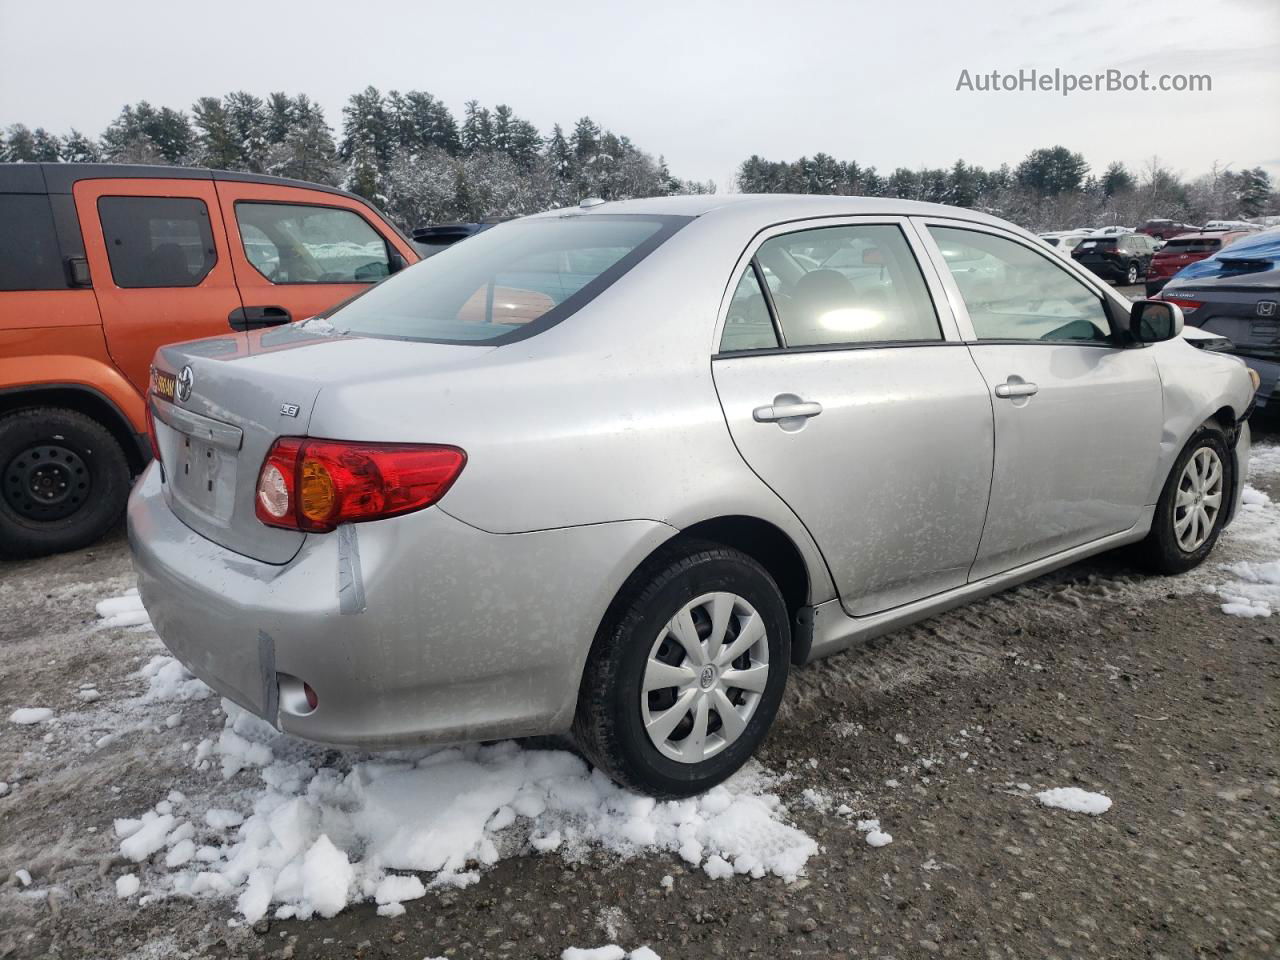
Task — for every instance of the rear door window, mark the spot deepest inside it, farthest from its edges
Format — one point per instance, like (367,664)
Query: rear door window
(848,285)
(302,243)
(29,255)
(748,325)
(157,241)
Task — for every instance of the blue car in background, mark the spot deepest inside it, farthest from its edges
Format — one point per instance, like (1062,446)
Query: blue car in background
(1236,293)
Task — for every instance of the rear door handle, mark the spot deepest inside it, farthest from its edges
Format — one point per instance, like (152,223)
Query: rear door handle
(786,410)
(252,318)
(1016,388)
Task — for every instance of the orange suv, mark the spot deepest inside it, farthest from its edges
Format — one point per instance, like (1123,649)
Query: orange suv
(100,265)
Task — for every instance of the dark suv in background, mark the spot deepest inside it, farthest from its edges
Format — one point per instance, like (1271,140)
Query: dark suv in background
(1164,229)
(1123,258)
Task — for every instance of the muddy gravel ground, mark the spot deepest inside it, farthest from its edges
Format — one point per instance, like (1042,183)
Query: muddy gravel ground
(1097,677)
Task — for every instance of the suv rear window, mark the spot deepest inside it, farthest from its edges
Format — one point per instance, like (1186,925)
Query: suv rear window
(1201,245)
(507,283)
(29,257)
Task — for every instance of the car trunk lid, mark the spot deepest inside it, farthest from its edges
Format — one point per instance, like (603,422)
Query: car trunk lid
(217,413)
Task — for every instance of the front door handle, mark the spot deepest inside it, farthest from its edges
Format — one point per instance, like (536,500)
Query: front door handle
(251,318)
(786,407)
(1016,388)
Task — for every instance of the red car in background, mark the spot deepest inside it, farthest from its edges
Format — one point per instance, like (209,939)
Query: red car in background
(1182,250)
(1164,229)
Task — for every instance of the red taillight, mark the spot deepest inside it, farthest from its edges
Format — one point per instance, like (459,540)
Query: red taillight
(1187,305)
(315,485)
(151,429)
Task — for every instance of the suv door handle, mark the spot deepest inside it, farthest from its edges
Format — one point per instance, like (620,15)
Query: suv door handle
(1016,388)
(252,318)
(786,410)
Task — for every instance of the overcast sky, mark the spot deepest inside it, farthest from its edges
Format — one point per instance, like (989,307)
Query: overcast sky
(706,84)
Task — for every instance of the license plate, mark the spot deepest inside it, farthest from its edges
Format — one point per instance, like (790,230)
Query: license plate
(203,475)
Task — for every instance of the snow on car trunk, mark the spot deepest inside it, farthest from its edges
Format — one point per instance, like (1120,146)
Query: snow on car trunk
(288,825)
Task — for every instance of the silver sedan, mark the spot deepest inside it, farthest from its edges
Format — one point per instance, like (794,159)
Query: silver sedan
(615,470)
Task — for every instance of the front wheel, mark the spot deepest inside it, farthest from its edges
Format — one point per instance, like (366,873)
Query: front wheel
(1193,505)
(685,677)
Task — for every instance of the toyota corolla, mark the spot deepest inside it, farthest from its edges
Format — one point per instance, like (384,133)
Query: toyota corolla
(617,469)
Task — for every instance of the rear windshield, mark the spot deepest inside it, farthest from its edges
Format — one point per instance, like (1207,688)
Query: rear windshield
(1204,245)
(506,283)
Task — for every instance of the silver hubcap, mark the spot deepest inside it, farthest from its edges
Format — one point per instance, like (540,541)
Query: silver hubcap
(704,677)
(1195,511)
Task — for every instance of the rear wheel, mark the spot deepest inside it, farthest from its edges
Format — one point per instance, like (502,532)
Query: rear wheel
(685,678)
(1131,277)
(1193,505)
(64,480)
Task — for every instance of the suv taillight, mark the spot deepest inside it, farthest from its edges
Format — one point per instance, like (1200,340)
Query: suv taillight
(315,485)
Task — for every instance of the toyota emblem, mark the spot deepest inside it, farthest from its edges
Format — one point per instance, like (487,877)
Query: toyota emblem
(185,380)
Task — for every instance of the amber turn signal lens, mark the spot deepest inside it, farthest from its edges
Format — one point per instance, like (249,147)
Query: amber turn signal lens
(317,496)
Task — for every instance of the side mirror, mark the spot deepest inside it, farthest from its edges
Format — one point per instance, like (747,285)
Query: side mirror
(1152,321)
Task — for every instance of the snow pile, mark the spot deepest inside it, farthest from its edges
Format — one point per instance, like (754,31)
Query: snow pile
(875,836)
(1253,587)
(125,611)
(311,838)
(610,952)
(1075,800)
(30,715)
(167,679)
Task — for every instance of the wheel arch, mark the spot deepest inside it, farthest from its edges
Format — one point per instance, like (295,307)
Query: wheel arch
(86,400)
(766,543)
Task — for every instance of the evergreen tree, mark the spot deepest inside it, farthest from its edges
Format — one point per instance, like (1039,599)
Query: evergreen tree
(1116,180)
(1051,171)
(216,144)
(77,148)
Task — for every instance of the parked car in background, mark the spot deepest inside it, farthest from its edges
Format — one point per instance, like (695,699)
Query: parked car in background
(1241,225)
(430,239)
(1165,229)
(1183,250)
(1113,231)
(1119,258)
(1064,241)
(102,264)
(607,470)
(1236,293)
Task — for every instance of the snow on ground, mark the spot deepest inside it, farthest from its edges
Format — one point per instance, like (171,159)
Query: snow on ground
(125,611)
(610,952)
(300,830)
(30,715)
(1075,800)
(1244,568)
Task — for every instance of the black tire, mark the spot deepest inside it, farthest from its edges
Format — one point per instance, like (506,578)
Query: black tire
(64,481)
(1132,276)
(1160,551)
(609,728)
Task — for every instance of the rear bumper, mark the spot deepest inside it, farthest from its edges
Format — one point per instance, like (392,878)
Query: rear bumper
(461,634)
(1106,269)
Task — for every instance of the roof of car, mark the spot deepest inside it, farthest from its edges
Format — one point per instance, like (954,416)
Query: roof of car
(1204,235)
(62,177)
(775,207)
